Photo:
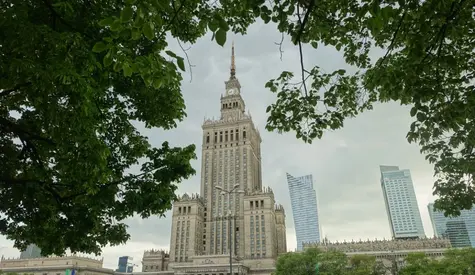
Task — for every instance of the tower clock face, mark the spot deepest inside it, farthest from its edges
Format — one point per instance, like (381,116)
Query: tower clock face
(232,91)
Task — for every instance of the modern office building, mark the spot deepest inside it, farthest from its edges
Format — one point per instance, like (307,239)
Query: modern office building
(459,230)
(401,203)
(32,251)
(303,200)
(125,264)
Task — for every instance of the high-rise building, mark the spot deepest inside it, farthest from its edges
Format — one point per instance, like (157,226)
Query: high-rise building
(125,264)
(459,230)
(32,251)
(202,224)
(304,209)
(401,203)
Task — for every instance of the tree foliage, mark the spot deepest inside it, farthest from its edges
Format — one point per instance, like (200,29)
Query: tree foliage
(75,75)
(429,64)
(330,263)
(455,261)
(75,79)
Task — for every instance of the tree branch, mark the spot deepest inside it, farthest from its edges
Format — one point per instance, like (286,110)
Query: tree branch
(280,45)
(393,40)
(57,15)
(299,42)
(14,89)
(187,58)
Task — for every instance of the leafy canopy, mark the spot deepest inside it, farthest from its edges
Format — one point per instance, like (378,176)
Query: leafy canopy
(75,77)
(455,261)
(330,263)
(429,64)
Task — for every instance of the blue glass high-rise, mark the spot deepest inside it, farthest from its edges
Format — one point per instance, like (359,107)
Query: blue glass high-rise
(303,200)
(459,230)
(125,264)
(401,203)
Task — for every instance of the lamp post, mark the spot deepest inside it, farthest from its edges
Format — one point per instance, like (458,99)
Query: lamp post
(229,192)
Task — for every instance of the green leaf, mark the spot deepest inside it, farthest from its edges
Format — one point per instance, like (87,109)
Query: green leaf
(157,83)
(117,66)
(221,37)
(136,34)
(213,25)
(421,117)
(148,30)
(107,59)
(127,70)
(116,25)
(126,14)
(106,22)
(172,54)
(99,47)
(223,24)
(413,111)
(181,63)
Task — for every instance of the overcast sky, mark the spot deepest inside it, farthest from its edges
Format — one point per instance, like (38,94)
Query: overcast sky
(344,164)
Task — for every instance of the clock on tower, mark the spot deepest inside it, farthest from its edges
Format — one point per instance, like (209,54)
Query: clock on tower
(232,91)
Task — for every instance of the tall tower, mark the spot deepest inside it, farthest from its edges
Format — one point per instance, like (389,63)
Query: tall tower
(401,203)
(231,159)
(231,154)
(304,209)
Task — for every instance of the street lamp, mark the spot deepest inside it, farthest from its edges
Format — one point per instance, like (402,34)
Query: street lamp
(229,192)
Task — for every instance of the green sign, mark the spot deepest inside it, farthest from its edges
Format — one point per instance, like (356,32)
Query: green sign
(317,269)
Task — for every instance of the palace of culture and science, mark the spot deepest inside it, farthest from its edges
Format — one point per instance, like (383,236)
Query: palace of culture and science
(231,192)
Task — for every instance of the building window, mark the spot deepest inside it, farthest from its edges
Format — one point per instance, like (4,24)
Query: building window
(243,134)
(207,138)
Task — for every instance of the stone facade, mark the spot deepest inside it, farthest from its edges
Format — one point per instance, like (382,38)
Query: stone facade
(155,261)
(391,253)
(54,266)
(383,245)
(247,221)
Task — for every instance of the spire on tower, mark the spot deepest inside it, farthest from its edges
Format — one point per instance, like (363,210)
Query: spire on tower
(233,63)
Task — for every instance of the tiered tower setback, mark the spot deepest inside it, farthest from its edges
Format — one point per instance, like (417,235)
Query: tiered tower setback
(231,158)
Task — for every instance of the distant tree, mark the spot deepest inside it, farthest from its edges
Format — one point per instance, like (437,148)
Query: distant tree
(75,76)
(420,264)
(365,265)
(428,64)
(303,263)
(455,261)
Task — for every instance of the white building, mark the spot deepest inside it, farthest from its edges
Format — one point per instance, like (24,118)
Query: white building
(303,200)
(401,203)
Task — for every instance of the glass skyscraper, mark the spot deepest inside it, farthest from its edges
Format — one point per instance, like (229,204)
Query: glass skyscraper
(304,209)
(125,264)
(459,230)
(31,251)
(401,203)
